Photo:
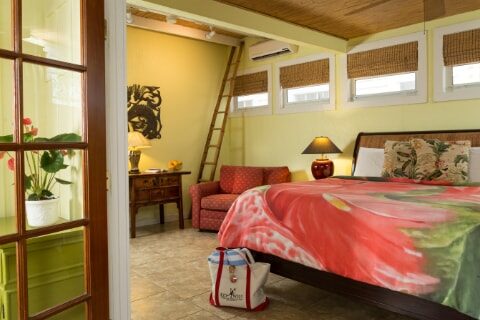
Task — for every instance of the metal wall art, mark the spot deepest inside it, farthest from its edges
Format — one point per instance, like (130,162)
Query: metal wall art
(144,110)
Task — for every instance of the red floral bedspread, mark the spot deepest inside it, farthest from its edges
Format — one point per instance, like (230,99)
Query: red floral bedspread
(375,232)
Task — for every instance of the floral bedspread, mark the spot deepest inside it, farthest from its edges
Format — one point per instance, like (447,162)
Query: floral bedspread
(418,239)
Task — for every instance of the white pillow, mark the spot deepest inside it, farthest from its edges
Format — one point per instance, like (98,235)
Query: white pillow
(474,170)
(369,162)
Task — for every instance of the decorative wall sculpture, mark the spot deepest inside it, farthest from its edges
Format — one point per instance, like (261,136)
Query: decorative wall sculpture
(144,110)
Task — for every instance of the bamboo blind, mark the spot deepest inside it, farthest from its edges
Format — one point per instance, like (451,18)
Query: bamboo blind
(305,74)
(251,83)
(461,47)
(393,59)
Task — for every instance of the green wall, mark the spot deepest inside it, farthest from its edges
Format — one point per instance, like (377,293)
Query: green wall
(280,139)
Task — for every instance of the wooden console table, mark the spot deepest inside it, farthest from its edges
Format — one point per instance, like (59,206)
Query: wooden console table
(155,188)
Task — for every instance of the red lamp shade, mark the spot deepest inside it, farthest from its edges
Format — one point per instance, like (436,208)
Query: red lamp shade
(321,168)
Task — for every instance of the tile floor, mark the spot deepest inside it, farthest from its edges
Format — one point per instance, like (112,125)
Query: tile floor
(170,280)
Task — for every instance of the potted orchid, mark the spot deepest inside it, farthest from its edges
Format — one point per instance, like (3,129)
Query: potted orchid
(41,168)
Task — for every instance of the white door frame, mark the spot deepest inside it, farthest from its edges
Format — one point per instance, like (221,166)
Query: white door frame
(117,166)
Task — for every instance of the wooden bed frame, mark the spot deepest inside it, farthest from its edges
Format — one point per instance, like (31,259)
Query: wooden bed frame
(398,302)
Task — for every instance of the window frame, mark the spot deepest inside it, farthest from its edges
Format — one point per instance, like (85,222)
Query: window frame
(308,106)
(253,111)
(419,95)
(443,88)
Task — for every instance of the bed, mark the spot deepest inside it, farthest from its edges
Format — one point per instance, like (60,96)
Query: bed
(428,258)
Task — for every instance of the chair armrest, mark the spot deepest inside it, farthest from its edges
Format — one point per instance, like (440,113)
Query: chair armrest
(197,192)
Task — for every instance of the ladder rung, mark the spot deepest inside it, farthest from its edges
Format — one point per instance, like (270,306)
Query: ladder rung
(203,180)
(220,111)
(210,163)
(216,128)
(213,146)
(226,95)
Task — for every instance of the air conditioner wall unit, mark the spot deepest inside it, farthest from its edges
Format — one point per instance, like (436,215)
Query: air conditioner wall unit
(270,48)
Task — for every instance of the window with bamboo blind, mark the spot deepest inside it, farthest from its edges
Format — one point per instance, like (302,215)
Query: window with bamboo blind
(306,84)
(387,72)
(251,91)
(457,62)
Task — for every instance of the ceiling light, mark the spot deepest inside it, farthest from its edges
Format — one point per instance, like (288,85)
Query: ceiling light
(210,34)
(128,16)
(172,19)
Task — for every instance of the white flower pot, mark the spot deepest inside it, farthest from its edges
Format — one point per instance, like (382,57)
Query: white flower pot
(42,213)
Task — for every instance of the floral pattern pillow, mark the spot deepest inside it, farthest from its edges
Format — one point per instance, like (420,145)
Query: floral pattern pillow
(441,160)
(399,160)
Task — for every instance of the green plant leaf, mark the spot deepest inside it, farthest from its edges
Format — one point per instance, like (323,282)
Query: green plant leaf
(66,137)
(6,139)
(28,182)
(52,161)
(41,139)
(61,181)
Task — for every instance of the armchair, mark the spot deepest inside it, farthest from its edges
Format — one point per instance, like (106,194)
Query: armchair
(212,200)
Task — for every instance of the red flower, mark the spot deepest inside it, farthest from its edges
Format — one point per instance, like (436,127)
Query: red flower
(27,121)
(11,164)
(34,131)
(2,154)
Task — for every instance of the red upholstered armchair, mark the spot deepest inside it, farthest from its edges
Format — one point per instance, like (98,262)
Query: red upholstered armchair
(211,200)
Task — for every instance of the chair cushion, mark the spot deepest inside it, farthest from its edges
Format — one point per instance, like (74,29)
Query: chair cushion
(276,175)
(237,179)
(221,202)
(211,220)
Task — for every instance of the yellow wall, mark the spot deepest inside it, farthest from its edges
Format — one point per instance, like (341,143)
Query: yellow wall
(189,73)
(280,139)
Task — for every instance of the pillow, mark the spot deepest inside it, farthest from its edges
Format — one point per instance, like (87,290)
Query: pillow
(369,162)
(474,171)
(441,160)
(399,160)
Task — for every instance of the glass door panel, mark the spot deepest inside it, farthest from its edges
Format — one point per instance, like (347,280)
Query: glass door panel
(51,29)
(56,271)
(6,99)
(8,221)
(52,103)
(75,313)
(53,180)
(8,281)
(5,24)
(46,268)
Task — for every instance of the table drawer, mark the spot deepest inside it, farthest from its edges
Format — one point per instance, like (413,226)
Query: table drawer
(169,181)
(164,193)
(144,182)
(142,195)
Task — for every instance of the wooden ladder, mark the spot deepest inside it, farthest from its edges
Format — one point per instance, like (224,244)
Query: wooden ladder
(211,151)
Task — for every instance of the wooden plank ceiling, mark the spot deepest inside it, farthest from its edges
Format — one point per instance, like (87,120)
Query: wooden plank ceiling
(353,18)
(183,22)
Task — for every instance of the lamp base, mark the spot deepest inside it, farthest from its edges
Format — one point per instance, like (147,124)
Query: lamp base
(322,168)
(134,157)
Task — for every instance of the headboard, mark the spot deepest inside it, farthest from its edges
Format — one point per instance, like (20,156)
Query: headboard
(377,139)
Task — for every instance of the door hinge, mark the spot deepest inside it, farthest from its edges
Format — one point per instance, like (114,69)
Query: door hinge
(109,184)
(3,311)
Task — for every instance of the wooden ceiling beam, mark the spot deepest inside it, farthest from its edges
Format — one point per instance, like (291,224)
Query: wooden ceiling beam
(164,27)
(228,17)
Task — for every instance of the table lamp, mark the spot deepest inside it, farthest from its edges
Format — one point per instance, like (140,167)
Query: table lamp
(136,142)
(323,167)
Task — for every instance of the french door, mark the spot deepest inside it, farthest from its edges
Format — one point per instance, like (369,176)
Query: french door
(53,229)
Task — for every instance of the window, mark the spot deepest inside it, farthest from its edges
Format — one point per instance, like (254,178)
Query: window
(457,62)
(252,100)
(386,72)
(251,92)
(306,84)
(404,82)
(468,74)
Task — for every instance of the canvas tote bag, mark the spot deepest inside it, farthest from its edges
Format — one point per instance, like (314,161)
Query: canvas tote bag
(237,280)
